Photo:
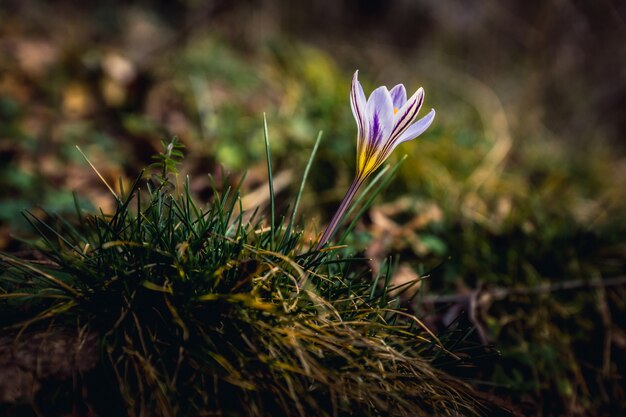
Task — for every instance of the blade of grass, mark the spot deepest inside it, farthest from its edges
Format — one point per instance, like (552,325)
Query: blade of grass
(271,180)
(302,183)
(99,175)
(27,266)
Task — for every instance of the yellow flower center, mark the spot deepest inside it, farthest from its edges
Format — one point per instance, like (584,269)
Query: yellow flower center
(395,110)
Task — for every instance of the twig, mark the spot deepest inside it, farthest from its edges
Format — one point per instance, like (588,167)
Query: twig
(500,293)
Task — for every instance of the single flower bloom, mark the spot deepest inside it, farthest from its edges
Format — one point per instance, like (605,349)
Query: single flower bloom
(384,121)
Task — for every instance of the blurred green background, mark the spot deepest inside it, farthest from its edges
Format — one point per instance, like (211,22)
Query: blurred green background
(512,203)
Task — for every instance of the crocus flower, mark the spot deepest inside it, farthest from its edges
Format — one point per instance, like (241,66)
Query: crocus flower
(384,120)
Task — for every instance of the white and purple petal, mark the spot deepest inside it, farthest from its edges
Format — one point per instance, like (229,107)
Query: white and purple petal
(407,114)
(416,128)
(379,111)
(357,103)
(398,96)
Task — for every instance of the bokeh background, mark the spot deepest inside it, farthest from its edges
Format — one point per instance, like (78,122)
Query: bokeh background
(511,207)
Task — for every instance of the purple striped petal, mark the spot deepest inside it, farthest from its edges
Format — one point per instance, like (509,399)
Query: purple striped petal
(398,96)
(407,114)
(379,110)
(416,128)
(357,103)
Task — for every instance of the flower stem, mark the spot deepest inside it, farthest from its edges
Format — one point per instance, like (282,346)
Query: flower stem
(341,211)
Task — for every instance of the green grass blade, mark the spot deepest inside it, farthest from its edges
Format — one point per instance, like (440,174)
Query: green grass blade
(302,183)
(270,179)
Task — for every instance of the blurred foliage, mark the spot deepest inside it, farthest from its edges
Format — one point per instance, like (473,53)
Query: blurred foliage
(515,187)
(543,214)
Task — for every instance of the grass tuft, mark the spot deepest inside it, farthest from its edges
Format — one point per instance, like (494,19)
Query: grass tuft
(197,310)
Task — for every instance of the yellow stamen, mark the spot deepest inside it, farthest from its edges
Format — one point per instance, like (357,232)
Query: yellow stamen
(395,110)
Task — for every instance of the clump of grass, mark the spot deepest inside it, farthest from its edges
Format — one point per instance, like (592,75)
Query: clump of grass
(207,310)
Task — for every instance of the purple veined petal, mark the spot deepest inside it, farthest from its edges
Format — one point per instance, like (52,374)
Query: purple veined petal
(407,114)
(357,103)
(398,96)
(416,128)
(379,111)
